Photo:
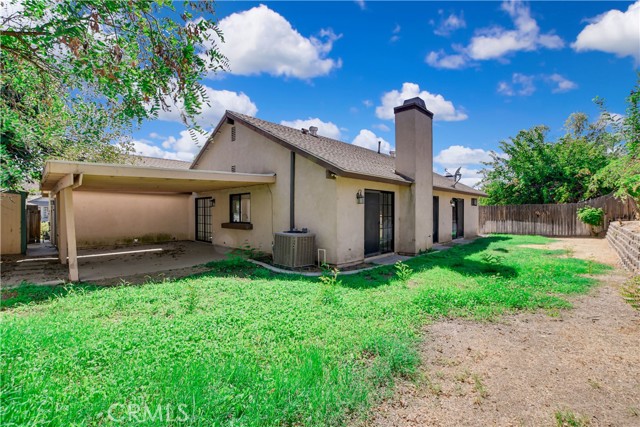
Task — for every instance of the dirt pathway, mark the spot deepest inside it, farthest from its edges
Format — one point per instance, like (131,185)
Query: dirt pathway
(525,368)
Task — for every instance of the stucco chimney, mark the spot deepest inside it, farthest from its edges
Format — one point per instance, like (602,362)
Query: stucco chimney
(414,160)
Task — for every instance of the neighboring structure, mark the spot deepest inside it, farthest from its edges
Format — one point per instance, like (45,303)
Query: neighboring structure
(357,202)
(13,238)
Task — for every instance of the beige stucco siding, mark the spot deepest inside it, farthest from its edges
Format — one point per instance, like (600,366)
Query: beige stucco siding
(315,200)
(10,217)
(119,218)
(471,215)
(350,217)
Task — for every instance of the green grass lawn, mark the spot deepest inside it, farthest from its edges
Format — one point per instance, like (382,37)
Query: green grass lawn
(241,346)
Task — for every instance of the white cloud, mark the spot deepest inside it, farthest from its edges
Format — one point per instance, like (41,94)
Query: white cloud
(449,24)
(521,84)
(327,129)
(395,34)
(468,159)
(219,101)
(367,103)
(260,40)
(459,155)
(436,103)
(441,60)
(470,177)
(562,84)
(368,139)
(614,32)
(497,42)
(184,147)
(382,127)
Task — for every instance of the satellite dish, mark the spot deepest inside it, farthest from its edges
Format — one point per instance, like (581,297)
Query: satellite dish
(457,176)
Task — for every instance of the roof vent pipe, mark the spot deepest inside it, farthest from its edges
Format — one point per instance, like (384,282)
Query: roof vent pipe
(379,144)
(313,130)
(392,153)
(304,131)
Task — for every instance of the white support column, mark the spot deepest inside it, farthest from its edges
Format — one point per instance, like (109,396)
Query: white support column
(70,233)
(62,228)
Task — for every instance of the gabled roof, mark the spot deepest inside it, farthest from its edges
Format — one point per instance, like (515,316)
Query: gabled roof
(339,157)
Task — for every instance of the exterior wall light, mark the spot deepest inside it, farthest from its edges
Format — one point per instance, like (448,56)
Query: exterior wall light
(360,197)
(453,203)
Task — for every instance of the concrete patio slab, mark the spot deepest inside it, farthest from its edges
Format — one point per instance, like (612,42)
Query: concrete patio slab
(98,264)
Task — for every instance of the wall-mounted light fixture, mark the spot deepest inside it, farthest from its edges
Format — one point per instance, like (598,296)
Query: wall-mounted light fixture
(360,197)
(212,203)
(453,203)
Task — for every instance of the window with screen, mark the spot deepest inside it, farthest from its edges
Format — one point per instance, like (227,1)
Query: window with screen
(240,208)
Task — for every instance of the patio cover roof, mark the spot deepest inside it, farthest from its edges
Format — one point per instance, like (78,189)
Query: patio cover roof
(131,178)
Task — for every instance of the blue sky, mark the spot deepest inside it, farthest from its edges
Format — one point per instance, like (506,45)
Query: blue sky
(486,69)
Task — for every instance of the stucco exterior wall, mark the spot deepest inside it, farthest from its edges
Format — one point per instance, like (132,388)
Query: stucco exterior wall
(327,207)
(118,218)
(11,212)
(315,195)
(471,215)
(350,218)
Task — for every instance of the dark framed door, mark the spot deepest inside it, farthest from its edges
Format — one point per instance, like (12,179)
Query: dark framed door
(203,219)
(457,216)
(378,222)
(436,219)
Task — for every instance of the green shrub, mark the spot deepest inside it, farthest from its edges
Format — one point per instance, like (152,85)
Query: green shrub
(591,216)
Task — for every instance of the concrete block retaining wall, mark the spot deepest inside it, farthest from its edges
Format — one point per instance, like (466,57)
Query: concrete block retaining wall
(625,240)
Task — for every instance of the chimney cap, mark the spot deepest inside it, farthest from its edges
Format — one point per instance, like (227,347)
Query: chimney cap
(313,130)
(416,103)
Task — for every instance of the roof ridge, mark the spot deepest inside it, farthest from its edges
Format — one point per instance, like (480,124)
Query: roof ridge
(384,161)
(357,147)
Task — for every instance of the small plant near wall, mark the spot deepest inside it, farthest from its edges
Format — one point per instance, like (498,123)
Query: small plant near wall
(593,217)
(403,272)
(330,283)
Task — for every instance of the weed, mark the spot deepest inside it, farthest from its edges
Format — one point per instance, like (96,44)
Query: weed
(191,298)
(479,388)
(569,419)
(634,411)
(330,284)
(595,384)
(403,272)
(463,376)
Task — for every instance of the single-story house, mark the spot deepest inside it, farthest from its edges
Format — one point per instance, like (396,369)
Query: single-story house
(253,179)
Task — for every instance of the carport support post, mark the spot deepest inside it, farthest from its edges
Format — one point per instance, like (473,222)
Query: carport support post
(62,228)
(70,233)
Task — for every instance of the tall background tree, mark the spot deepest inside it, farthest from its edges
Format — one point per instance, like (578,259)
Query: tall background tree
(77,76)
(591,159)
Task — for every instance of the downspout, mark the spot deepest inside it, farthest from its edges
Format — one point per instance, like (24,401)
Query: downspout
(292,193)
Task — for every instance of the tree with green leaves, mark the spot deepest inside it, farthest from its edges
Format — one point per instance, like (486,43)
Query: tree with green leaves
(592,159)
(622,175)
(76,76)
(532,169)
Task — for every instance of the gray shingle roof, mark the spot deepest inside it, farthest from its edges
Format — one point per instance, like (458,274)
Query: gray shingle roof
(343,157)
(159,163)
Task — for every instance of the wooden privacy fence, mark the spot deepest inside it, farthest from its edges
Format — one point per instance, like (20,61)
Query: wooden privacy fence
(552,220)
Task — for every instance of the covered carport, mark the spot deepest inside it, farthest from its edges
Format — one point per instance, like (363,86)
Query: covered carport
(62,178)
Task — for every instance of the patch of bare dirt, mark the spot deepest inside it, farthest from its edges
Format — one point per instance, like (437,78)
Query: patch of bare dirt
(585,248)
(523,369)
